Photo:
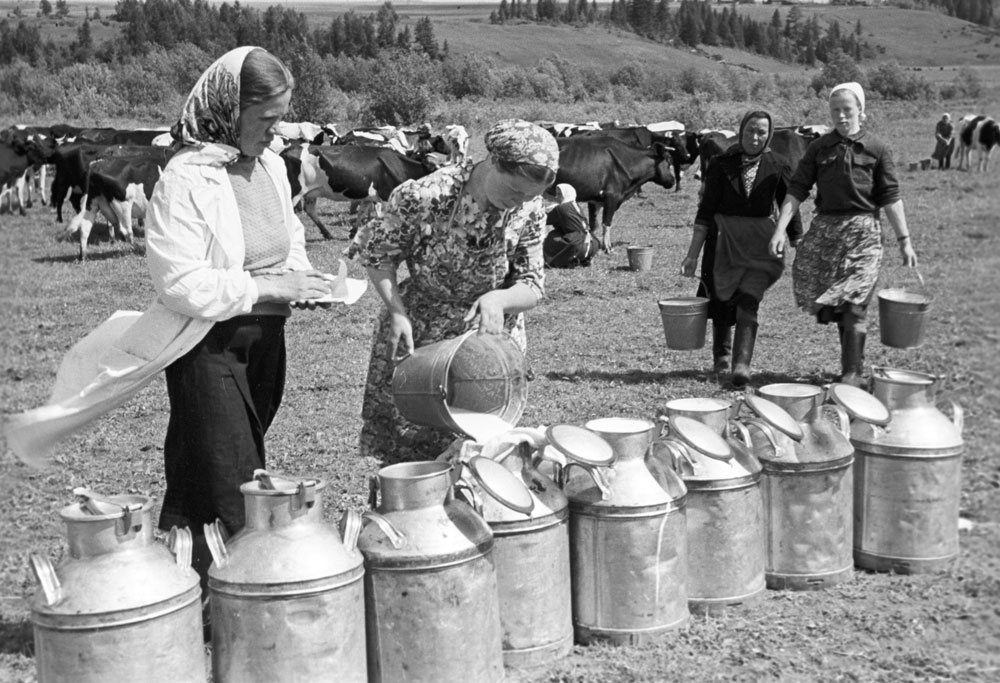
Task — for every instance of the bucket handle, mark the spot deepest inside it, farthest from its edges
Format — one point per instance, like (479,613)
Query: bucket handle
(181,544)
(350,527)
(47,579)
(88,503)
(396,537)
(215,538)
(600,480)
(700,281)
(957,416)
(920,278)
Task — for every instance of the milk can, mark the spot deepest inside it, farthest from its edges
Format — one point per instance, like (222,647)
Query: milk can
(119,606)
(907,480)
(287,595)
(529,516)
(430,586)
(806,454)
(628,543)
(725,506)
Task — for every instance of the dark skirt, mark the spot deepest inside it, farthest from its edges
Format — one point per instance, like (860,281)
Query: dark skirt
(224,394)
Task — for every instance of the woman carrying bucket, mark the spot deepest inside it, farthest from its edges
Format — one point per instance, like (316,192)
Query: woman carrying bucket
(837,264)
(471,237)
(743,188)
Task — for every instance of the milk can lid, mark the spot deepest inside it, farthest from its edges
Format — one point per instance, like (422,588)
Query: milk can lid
(859,404)
(501,483)
(580,445)
(700,437)
(775,415)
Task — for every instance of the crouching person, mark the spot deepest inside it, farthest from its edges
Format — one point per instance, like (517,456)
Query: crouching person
(569,242)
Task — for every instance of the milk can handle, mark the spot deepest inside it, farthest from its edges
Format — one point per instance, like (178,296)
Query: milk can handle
(595,473)
(957,416)
(768,434)
(679,455)
(305,490)
(45,574)
(469,495)
(215,538)
(180,543)
(88,503)
(350,529)
(839,417)
(550,454)
(396,537)
(741,432)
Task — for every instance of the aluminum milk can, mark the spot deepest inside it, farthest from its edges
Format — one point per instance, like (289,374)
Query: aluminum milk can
(628,542)
(529,516)
(119,606)
(725,505)
(804,447)
(287,595)
(907,478)
(431,600)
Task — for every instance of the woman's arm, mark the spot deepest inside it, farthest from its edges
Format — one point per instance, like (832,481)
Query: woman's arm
(400,328)
(897,219)
(789,207)
(690,262)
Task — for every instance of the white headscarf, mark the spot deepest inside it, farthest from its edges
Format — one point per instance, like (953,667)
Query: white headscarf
(854,87)
(567,192)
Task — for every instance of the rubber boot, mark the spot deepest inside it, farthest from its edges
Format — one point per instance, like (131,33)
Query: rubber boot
(743,343)
(722,345)
(852,356)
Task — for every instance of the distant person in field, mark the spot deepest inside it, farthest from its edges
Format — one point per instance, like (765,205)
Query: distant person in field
(227,257)
(471,237)
(944,142)
(743,188)
(837,262)
(569,242)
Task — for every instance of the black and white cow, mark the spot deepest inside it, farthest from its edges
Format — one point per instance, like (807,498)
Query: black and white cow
(24,154)
(119,188)
(979,133)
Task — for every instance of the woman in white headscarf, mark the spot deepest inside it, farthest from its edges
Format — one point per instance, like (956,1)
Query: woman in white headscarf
(837,262)
(227,257)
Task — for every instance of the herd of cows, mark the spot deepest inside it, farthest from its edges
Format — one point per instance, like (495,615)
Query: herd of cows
(111,172)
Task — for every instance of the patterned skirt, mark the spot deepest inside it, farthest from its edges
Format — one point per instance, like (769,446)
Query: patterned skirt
(837,262)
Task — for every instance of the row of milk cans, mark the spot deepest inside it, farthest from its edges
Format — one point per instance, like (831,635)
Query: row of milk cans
(505,553)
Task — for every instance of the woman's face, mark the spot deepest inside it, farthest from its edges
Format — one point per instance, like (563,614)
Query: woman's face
(257,123)
(845,113)
(507,190)
(755,136)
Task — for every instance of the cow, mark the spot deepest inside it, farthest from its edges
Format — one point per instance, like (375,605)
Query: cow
(607,171)
(565,130)
(354,173)
(980,133)
(23,150)
(644,137)
(119,188)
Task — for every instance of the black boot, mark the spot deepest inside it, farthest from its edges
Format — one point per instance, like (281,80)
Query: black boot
(722,345)
(852,356)
(743,343)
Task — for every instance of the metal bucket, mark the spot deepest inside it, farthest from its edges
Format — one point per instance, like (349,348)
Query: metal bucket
(684,322)
(902,316)
(119,606)
(287,592)
(640,258)
(907,489)
(457,383)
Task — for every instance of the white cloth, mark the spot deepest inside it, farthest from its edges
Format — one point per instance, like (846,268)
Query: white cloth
(854,87)
(194,248)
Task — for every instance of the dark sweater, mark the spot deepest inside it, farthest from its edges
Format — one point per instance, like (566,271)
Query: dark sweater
(852,175)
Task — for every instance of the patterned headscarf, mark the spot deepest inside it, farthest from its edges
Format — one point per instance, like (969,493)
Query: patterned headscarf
(522,142)
(211,113)
(854,87)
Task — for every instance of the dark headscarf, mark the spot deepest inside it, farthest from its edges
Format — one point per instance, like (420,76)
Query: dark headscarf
(737,149)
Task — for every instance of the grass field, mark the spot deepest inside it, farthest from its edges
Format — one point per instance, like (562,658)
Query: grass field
(596,349)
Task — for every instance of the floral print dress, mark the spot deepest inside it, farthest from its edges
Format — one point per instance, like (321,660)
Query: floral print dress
(454,252)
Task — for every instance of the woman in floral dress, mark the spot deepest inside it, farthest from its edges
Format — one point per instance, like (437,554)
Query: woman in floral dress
(471,238)
(837,262)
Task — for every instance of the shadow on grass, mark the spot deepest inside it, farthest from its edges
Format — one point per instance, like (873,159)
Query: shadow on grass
(16,637)
(93,256)
(633,376)
(759,379)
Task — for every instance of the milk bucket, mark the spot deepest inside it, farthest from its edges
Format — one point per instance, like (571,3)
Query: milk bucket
(902,315)
(640,258)
(458,383)
(684,321)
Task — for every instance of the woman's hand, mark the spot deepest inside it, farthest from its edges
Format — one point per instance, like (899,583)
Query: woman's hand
(400,330)
(688,266)
(776,247)
(908,254)
(291,285)
(490,310)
